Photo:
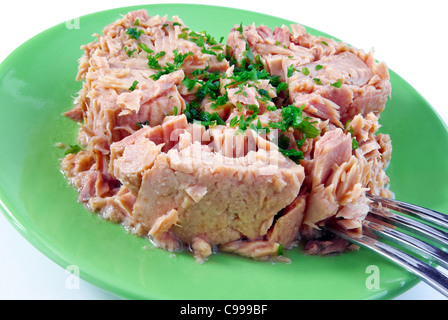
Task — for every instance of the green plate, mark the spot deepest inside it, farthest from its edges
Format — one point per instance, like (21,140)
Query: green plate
(36,86)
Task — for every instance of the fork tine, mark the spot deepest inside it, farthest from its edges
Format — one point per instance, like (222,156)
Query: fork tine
(425,214)
(425,272)
(416,227)
(417,246)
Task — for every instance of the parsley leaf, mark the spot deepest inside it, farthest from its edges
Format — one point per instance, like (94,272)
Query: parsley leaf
(282,87)
(220,101)
(169,67)
(293,154)
(134,33)
(144,47)
(337,84)
(141,124)
(194,113)
(290,71)
(134,85)
(153,63)
(305,71)
(292,117)
(243,123)
(73,148)
(355,144)
(129,52)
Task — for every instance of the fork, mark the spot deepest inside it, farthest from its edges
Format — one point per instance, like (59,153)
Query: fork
(422,234)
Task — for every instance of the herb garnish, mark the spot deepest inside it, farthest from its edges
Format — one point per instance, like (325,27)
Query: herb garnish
(134,33)
(152,61)
(144,47)
(337,84)
(129,52)
(292,117)
(355,144)
(134,85)
(169,67)
(141,124)
(282,87)
(73,148)
(194,113)
(243,123)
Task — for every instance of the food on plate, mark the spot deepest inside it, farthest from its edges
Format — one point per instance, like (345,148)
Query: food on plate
(247,145)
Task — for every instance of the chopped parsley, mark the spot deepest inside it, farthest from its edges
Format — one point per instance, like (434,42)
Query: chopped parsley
(141,124)
(280,250)
(290,70)
(194,113)
(220,101)
(355,144)
(337,84)
(169,67)
(292,117)
(144,47)
(134,33)
(73,148)
(133,86)
(282,87)
(246,73)
(293,154)
(129,52)
(242,122)
(153,63)
(248,57)
(205,41)
(259,128)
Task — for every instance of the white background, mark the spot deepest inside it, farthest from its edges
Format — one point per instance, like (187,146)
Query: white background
(410,36)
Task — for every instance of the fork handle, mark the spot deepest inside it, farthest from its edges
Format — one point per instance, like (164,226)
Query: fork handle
(425,272)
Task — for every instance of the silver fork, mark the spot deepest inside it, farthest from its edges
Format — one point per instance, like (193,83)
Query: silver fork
(422,234)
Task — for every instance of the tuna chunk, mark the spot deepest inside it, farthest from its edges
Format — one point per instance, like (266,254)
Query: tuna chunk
(331,151)
(220,198)
(258,249)
(348,83)
(334,148)
(136,153)
(285,231)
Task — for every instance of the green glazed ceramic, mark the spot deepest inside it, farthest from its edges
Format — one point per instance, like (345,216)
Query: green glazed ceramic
(37,84)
